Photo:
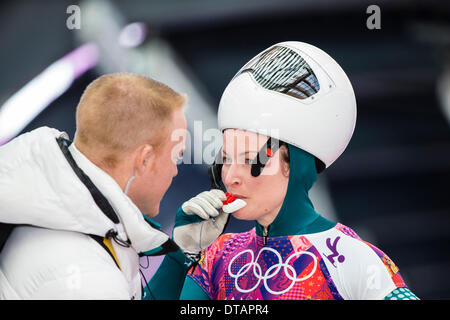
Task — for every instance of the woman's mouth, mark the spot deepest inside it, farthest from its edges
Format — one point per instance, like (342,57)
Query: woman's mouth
(238,196)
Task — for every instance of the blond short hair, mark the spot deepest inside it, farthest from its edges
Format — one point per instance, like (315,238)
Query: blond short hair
(120,111)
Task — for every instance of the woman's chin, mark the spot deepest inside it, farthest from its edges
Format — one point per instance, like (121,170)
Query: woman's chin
(243,214)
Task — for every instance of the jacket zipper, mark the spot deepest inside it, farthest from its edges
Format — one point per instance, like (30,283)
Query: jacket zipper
(265,235)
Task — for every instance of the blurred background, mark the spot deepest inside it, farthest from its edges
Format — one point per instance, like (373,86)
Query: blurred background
(391,185)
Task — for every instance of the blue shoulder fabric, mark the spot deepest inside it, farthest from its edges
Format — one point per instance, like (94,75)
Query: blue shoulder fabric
(401,294)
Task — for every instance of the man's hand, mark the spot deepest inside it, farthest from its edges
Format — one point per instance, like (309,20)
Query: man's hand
(200,221)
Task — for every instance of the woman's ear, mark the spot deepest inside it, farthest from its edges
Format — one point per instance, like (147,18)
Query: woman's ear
(284,159)
(285,167)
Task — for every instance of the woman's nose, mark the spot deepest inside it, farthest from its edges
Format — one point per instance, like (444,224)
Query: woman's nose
(230,175)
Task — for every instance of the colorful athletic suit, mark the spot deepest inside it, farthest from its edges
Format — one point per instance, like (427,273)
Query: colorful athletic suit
(330,265)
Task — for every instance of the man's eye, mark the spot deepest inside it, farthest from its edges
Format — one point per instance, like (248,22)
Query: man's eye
(179,159)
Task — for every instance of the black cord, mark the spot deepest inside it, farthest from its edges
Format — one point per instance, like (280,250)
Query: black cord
(146,282)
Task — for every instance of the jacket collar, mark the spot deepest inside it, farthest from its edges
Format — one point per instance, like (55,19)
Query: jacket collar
(297,214)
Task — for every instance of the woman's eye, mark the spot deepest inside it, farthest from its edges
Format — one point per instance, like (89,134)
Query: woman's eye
(226,160)
(246,161)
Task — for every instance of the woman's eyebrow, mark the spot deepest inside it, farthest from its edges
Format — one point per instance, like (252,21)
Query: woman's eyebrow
(242,153)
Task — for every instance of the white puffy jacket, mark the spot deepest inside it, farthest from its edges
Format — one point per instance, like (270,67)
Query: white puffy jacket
(51,256)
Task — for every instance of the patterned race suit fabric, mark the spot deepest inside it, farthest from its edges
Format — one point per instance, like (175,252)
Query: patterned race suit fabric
(331,265)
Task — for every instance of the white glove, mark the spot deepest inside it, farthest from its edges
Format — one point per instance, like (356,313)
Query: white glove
(205,204)
(200,221)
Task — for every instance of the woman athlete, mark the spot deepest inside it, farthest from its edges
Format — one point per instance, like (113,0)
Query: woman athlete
(287,115)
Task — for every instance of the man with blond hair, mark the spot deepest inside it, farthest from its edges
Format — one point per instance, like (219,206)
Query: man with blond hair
(77,215)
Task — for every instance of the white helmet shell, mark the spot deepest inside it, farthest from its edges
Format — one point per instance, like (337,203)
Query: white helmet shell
(294,92)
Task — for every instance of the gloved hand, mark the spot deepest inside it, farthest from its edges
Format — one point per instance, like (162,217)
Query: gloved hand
(200,221)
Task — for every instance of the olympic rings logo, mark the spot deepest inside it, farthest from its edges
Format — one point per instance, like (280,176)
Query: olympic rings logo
(271,272)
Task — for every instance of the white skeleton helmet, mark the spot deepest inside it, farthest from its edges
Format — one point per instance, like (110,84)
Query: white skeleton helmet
(298,91)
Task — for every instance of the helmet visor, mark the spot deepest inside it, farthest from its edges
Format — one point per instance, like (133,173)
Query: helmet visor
(283,70)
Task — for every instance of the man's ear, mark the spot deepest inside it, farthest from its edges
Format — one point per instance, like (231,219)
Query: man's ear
(145,158)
